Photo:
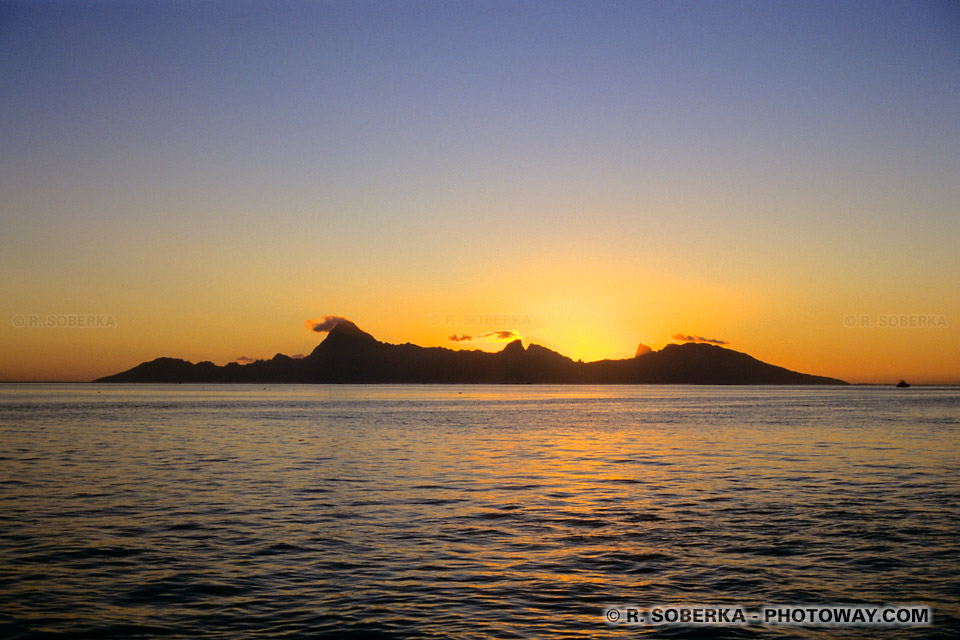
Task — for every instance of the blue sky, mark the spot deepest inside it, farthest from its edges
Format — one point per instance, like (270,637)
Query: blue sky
(705,164)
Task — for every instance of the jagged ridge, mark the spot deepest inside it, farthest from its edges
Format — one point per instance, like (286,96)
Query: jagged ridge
(350,355)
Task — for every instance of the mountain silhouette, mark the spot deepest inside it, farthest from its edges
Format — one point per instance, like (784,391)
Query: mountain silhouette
(350,355)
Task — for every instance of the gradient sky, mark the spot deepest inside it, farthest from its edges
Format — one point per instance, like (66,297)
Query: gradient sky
(784,176)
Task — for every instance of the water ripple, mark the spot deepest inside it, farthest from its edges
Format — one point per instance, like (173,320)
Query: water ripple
(398,512)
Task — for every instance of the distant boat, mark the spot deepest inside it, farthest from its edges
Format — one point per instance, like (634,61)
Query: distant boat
(903,384)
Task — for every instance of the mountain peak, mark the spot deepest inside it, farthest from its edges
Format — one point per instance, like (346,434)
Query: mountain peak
(514,347)
(347,328)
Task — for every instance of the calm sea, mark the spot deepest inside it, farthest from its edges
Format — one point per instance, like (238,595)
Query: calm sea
(295,511)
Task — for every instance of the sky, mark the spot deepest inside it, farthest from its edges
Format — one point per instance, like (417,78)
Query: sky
(199,179)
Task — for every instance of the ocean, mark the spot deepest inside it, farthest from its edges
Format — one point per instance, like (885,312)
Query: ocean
(338,511)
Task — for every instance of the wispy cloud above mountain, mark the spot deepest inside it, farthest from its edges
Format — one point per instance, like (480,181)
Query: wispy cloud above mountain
(326,323)
(688,338)
(493,336)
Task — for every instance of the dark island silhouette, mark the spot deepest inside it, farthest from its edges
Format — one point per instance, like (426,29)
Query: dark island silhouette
(350,355)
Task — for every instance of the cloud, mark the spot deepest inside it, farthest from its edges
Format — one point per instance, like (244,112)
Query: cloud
(642,350)
(684,338)
(299,356)
(246,359)
(501,335)
(323,324)
(495,336)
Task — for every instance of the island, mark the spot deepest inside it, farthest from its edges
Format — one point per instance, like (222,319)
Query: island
(350,355)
